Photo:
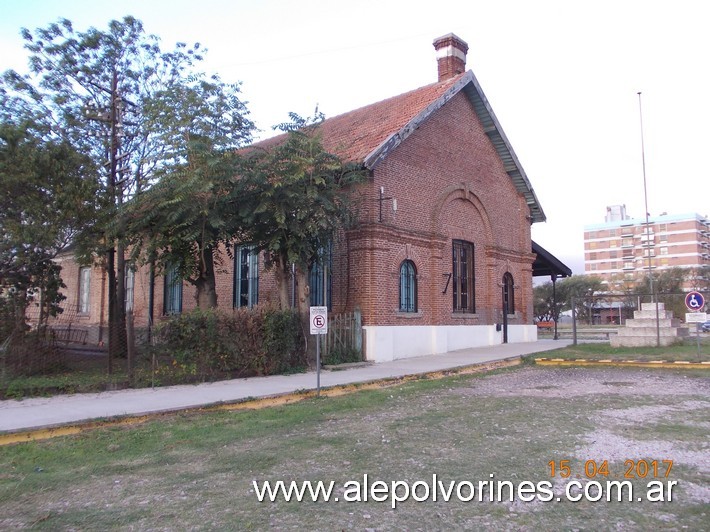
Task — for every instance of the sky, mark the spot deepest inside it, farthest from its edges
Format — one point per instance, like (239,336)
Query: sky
(562,77)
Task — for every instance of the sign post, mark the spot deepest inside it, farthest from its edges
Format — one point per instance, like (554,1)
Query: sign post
(319,327)
(695,301)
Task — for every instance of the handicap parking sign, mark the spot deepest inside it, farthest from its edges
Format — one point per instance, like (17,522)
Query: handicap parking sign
(695,301)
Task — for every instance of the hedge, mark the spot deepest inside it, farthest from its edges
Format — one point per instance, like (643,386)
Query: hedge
(205,345)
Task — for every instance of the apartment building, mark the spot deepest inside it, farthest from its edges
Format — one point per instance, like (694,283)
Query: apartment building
(621,250)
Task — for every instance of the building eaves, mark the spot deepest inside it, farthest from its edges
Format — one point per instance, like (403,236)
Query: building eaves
(546,264)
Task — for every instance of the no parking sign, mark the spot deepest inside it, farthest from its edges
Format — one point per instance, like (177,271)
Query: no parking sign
(319,320)
(319,326)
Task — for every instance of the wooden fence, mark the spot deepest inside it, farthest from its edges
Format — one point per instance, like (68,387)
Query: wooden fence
(344,335)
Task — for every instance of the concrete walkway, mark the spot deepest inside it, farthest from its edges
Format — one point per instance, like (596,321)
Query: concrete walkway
(44,412)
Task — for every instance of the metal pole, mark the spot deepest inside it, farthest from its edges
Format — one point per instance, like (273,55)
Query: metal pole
(318,365)
(648,228)
(574,321)
(645,198)
(130,346)
(555,313)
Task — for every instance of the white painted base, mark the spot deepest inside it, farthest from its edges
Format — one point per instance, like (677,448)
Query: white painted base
(384,343)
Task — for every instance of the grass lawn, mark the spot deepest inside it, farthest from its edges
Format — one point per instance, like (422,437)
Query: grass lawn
(197,471)
(601,351)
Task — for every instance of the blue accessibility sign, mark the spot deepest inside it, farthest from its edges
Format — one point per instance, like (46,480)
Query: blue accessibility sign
(695,301)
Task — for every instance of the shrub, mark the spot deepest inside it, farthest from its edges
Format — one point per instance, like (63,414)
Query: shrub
(342,355)
(283,341)
(210,344)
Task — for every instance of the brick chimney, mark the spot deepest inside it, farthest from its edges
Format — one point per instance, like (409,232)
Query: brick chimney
(450,56)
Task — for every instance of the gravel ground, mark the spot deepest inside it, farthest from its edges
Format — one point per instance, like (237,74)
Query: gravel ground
(197,472)
(608,440)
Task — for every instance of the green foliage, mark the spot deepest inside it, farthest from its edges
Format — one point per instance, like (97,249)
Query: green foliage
(669,285)
(135,110)
(63,379)
(47,192)
(342,355)
(185,218)
(547,305)
(197,115)
(295,195)
(686,351)
(205,345)
(582,289)
(588,291)
(292,199)
(700,278)
(29,354)
(8,312)
(68,92)
(188,215)
(283,340)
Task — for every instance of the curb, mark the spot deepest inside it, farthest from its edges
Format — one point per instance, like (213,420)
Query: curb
(53,431)
(678,364)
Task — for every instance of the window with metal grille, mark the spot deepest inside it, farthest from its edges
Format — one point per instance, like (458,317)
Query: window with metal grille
(84,290)
(246,277)
(172,292)
(463,277)
(407,287)
(320,279)
(129,281)
(508,293)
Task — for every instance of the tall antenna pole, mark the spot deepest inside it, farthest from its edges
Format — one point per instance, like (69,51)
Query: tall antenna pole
(645,198)
(648,228)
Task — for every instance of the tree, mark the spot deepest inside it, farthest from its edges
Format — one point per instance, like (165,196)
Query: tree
(544,303)
(47,193)
(700,278)
(102,92)
(580,293)
(668,287)
(187,217)
(293,198)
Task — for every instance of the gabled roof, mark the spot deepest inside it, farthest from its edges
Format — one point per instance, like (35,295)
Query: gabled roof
(370,133)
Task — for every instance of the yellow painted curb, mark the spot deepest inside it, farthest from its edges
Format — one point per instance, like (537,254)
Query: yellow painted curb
(8,438)
(684,364)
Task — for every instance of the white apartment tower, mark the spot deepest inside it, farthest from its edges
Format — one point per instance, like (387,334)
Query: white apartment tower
(618,250)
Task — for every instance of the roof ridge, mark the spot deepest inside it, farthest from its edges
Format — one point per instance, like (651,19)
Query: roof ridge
(429,86)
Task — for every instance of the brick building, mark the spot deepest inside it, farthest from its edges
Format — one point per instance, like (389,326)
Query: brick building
(618,250)
(442,258)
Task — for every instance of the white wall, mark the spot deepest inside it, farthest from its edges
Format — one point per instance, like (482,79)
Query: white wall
(385,343)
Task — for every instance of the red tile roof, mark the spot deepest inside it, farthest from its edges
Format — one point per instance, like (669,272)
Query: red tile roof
(368,134)
(356,134)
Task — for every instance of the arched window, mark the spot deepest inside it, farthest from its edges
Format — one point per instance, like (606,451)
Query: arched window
(407,287)
(508,293)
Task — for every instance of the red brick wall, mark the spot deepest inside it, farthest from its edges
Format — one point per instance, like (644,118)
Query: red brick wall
(449,184)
